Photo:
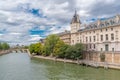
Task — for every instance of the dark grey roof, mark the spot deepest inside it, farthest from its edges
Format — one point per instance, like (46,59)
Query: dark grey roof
(63,33)
(103,23)
(75,18)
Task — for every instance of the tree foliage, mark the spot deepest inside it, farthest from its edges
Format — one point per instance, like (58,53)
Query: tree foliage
(0,46)
(4,46)
(75,51)
(31,48)
(25,47)
(36,48)
(59,49)
(50,43)
(53,46)
(79,50)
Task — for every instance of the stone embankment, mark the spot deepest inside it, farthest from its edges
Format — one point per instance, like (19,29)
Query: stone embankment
(4,52)
(92,63)
(105,65)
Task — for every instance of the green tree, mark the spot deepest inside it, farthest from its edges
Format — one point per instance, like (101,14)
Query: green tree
(31,48)
(75,51)
(25,47)
(5,46)
(46,51)
(60,49)
(0,46)
(50,43)
(79,48)
(70,51)
(57,48)
(36,48)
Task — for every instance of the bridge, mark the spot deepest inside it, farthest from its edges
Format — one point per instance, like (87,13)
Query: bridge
(19,50)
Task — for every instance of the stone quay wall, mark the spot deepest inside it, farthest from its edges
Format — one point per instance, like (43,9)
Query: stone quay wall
(110,57)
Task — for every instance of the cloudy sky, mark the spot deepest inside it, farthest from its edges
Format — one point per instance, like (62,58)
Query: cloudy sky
(27,21)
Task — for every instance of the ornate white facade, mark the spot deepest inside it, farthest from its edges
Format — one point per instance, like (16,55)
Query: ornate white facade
(101,35)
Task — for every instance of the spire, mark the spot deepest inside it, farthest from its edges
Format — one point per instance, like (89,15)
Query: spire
(75,13)
(75,18)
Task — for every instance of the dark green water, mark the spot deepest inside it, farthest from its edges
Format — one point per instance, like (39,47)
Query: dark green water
(18,66)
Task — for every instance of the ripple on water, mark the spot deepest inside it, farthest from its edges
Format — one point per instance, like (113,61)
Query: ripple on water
(18,66)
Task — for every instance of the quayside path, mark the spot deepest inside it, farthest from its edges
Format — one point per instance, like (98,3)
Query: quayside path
(95,64)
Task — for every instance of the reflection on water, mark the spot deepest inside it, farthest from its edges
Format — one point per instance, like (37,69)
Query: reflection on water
(18,66)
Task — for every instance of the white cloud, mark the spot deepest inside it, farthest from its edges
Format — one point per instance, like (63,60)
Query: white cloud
(34,38)
(16,21)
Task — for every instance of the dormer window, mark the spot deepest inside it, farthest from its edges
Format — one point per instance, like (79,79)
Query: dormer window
(117,18)
(112,22)
(102,25)
(107,24)
(95,26)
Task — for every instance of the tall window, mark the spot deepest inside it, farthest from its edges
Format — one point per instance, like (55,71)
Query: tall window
(101,37)
(94,46)
(112,36)
(73,41)
(94,38)
(90,38)
(113,49)
(90,46)
(106,36)
(111,29)
(101,49)
(106,29)
(106,47)
(83,38)
(86,39)
(78,39)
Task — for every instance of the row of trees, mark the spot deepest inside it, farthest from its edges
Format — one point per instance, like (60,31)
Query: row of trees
(53,46)
(4,46)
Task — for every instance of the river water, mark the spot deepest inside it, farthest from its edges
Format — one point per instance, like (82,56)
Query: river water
(19,66)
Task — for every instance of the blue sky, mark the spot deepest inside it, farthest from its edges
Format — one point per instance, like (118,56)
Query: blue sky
(27,21)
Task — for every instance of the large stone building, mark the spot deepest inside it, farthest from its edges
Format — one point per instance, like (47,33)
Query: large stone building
(101,35)
(65,36)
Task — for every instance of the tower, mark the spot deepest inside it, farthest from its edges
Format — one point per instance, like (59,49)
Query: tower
(75,23)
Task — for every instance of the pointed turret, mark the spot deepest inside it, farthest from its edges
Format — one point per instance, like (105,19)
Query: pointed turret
(75,18)
(75,23)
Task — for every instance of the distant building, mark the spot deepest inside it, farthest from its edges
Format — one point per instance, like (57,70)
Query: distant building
(65,36)
(42,41)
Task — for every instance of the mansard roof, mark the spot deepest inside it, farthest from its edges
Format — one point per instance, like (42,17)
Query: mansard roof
(103,23)
(63,33)
(75,18)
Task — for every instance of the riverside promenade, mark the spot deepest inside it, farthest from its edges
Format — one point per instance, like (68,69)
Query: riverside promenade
(105,65)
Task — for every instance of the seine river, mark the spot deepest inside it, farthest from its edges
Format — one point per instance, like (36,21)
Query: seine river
(19,66)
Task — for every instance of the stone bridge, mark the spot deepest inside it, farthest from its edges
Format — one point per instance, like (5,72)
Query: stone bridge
(19,50)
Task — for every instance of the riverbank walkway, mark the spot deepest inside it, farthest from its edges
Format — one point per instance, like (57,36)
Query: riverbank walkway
(105,65)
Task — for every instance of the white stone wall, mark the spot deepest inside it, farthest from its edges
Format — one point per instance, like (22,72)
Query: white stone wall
(81,37)
(75,27)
